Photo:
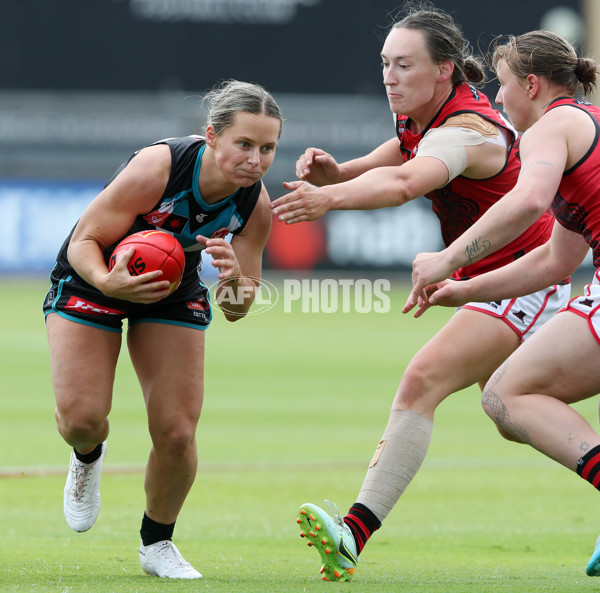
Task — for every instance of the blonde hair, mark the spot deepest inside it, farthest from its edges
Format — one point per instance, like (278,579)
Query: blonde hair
(231,96)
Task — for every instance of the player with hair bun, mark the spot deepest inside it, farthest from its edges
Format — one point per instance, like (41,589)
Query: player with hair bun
(455,149)
(198,188)
(529,395)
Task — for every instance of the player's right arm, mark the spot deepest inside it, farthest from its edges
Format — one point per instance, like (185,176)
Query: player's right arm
(382,179)
(136,190)
(382,187)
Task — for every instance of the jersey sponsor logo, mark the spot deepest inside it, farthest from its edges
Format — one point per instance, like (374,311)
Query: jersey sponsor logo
(220,233)
(156,218)
(199,305)
(200,309)
(83,306)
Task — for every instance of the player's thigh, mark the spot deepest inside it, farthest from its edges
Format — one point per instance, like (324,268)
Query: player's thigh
(82,361)
(169,362)
(562,360)
(464,352)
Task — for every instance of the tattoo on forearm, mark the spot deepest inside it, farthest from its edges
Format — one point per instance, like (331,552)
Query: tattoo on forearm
(476,249)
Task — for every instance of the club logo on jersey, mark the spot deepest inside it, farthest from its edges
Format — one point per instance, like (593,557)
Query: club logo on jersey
(174,223)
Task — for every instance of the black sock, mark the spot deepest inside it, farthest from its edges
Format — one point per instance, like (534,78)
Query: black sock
(588,467)
(89,457)
(362,523)
(153,532)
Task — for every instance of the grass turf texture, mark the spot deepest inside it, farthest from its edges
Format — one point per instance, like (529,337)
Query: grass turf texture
(295,404)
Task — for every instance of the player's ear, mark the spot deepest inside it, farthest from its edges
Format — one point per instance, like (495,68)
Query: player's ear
(446,70)
(211,135)
(533,86)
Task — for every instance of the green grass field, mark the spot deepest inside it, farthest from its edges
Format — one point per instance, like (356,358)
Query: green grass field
(295,404)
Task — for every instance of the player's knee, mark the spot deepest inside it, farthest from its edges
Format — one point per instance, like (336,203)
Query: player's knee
(417,389)
(507,435)
(493,405)
(175,440)
(80,426)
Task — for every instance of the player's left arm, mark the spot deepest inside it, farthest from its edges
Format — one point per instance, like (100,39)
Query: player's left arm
(548,264)
(544,155)
(240,262)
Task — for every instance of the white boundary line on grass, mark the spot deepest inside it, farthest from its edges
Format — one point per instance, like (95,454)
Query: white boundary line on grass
(438,463)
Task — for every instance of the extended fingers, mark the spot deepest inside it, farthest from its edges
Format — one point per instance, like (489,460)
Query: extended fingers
(286,198)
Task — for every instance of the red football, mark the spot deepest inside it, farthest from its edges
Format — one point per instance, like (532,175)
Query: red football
(154,250)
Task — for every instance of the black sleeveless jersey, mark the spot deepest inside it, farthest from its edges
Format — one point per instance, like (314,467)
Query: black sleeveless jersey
(181,210)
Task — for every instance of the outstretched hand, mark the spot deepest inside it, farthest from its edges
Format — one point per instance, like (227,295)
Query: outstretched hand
(317,167)
(305,202)
(448,293)
(427,269)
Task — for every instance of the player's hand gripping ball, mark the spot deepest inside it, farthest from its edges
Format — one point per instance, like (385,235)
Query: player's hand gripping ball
(154,250)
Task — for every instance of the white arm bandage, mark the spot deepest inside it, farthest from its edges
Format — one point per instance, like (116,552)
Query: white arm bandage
(448,144)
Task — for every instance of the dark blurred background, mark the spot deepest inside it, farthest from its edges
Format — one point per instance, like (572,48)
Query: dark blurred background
(83,84)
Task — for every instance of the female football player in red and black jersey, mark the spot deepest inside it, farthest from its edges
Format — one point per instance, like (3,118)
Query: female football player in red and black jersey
(455,149)
(528,397)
